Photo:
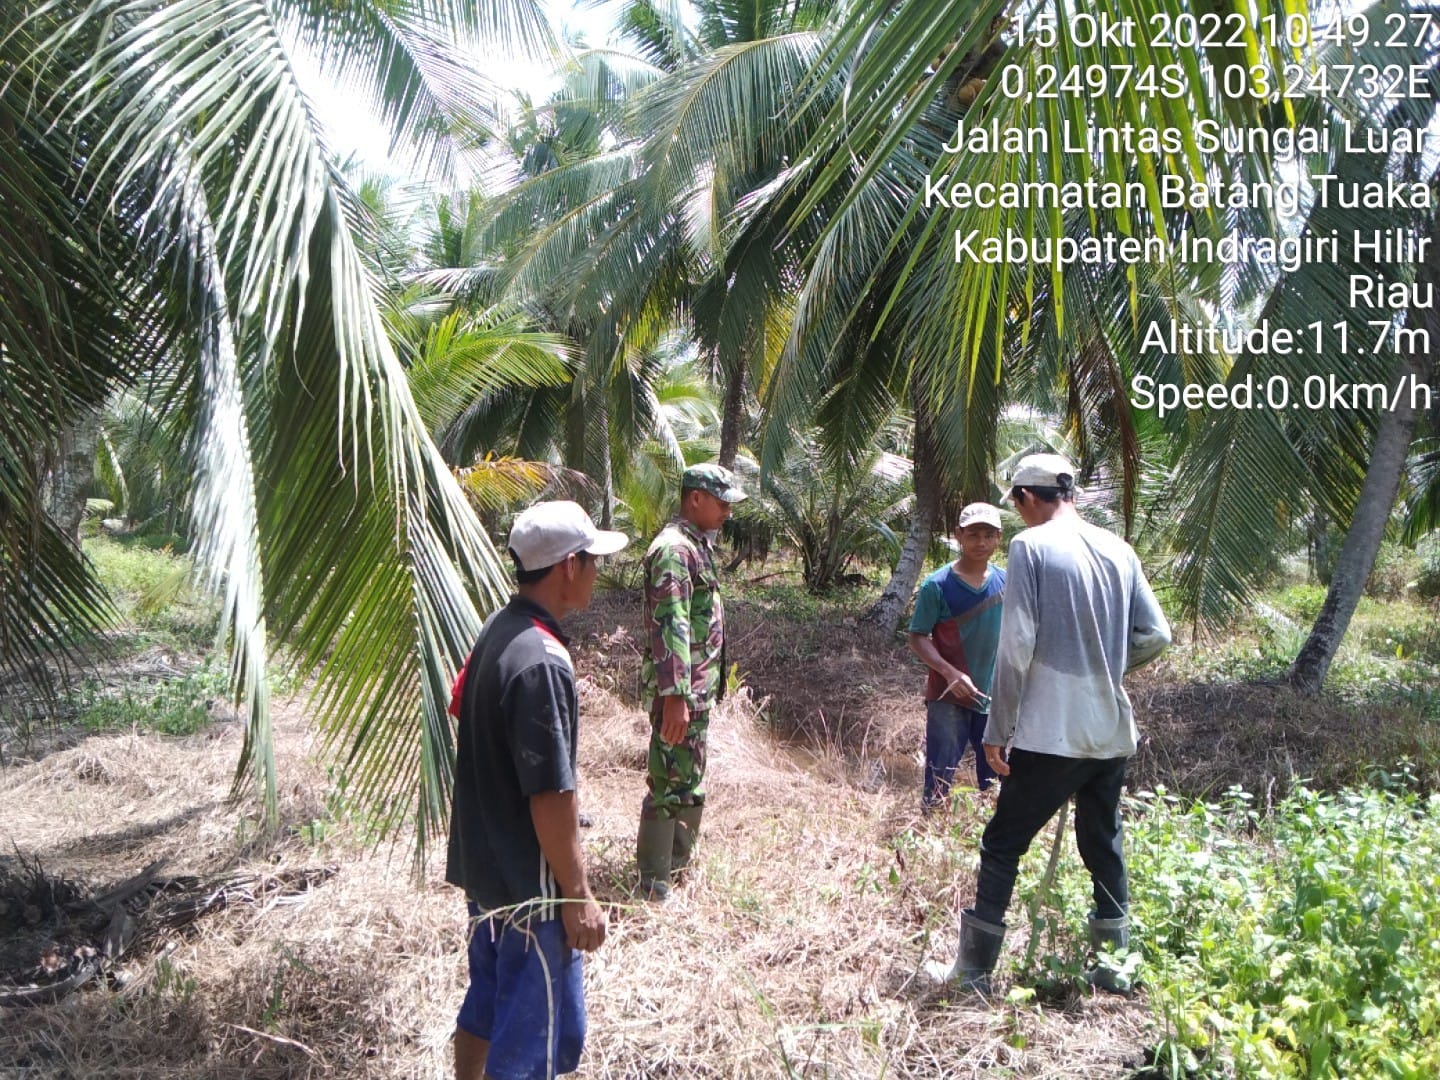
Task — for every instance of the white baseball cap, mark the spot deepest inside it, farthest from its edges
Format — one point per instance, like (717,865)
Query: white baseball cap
(1043,470)
(980,513)
(548,532)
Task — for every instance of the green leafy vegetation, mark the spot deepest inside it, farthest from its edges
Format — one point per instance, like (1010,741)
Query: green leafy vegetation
(1427,584)
(342,814)
(1391,652)
(153,592)
(172,706)
(1293,942)
(792,600)
(1296,943)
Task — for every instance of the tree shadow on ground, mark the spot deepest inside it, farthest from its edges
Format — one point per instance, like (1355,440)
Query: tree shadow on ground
(131,836)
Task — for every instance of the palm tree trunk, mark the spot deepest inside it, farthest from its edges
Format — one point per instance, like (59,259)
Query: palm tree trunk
(72,469)
(885,613)
(1367,528)
(732,417)
(607,474)
(1319,547)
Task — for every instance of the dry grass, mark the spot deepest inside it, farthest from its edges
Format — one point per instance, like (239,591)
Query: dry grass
(1201,738)
(828,685)
(347,980)
(790,951)
(796,948)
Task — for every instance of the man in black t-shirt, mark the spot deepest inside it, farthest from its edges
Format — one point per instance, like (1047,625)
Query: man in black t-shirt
(514,831)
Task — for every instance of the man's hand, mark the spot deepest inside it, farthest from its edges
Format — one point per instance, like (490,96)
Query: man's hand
(963,687)
(585,922)
(675,720)
(995,757)
(555,815)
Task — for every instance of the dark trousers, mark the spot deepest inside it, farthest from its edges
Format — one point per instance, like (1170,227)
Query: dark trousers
(1036,788)
(949,728)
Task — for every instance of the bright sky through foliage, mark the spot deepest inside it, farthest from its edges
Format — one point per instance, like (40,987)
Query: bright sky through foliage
(354,130)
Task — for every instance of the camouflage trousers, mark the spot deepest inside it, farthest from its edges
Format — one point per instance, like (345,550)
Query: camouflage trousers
(676,773)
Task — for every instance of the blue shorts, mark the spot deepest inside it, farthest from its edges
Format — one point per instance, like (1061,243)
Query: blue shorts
(525,997)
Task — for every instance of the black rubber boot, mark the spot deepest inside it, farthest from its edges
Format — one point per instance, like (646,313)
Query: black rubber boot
(687,829)
(652,854)
(980,943)
(1109,937)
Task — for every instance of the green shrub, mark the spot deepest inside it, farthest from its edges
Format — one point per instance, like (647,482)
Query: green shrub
(347,816)
(1400,631)
(1427,584)
(1249,649)
(1395,568)
(1301,602)
(1294,945)
(153,593)
(171,707)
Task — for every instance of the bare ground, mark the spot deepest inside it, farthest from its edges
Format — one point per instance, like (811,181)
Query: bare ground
(796,948)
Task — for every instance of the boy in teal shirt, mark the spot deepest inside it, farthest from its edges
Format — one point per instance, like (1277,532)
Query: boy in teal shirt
(955,630)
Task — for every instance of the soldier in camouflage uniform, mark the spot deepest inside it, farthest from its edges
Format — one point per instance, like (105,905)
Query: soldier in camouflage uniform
(683,671)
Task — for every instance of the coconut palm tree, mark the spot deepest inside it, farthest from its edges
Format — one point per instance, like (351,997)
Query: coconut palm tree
(170,207)
(70,324)
(946,309)
(644,233)
(1389,455)
(702,179)
(608,415)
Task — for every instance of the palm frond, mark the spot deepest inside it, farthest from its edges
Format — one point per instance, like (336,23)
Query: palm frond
(462,360)
(361,550)
(729,109)
(496,484)
(657,32)
(75,320)
(407,57)
(1422,507)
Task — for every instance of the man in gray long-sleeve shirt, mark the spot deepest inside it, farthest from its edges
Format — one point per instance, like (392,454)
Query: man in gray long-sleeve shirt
(1078,615)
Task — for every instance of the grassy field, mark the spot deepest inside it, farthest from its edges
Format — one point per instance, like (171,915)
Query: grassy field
(1283,854)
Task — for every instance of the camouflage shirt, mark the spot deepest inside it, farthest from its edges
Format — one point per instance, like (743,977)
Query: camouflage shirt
(684,617)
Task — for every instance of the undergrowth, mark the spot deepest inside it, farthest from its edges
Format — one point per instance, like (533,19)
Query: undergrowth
(1302,942)
(1299,944)
(153,594)
(179,706)
(1297,939)
(1390,657)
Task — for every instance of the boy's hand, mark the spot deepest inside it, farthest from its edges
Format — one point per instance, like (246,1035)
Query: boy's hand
(964,687)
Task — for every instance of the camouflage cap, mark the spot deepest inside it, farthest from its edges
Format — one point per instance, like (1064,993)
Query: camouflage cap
(715,479)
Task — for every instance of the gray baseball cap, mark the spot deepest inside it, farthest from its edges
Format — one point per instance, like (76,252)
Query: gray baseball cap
(548,532)
(1043,470)
(716,479)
